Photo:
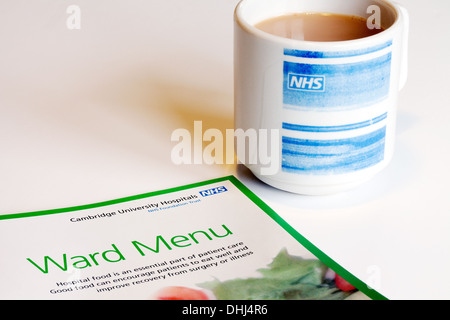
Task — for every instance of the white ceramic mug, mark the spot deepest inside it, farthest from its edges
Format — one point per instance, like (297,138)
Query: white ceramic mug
(333,103)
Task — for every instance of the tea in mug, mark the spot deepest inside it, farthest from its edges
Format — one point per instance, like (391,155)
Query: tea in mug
(319,27)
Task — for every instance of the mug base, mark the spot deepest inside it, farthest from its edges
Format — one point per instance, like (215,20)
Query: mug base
(311,190)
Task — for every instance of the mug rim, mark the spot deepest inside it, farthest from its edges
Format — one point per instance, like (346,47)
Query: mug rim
(293,43)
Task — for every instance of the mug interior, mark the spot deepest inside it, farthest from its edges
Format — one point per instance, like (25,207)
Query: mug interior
(254,11)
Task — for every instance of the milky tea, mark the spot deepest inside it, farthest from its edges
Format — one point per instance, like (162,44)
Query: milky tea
(318,27)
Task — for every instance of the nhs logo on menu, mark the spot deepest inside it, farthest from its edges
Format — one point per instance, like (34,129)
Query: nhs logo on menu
(306,82)
(210,192)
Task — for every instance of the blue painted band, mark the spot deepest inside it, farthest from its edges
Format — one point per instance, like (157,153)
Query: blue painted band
(328,86)
(353,126)
(333,156)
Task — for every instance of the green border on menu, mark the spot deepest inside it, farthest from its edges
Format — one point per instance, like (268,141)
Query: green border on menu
(360,285)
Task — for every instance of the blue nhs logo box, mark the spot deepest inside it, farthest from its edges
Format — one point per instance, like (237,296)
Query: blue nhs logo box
(210,192)
(305,82)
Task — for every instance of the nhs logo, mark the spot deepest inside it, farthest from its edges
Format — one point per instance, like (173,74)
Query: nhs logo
(210,192)
(306,82)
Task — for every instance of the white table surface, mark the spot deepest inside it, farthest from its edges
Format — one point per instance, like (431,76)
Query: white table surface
(86,116)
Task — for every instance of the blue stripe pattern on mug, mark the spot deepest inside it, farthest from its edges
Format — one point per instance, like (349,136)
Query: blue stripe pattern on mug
(336,80)
(346,127)
(336,156)
(339,82)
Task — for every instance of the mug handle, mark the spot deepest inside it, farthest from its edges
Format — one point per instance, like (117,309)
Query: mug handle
(405,40)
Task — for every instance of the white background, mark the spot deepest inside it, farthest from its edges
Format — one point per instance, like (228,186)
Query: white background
(86,116)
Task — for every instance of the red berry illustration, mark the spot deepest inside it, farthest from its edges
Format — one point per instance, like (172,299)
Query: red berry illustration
(343,284)
(180,293)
